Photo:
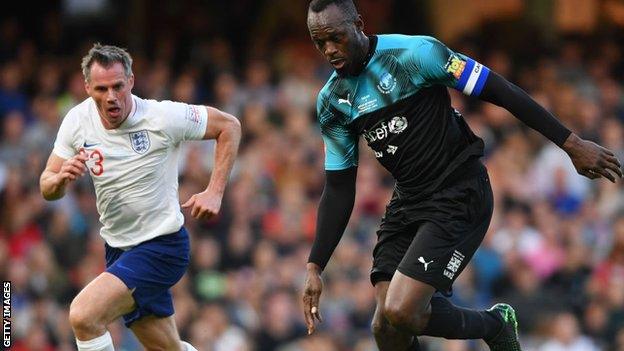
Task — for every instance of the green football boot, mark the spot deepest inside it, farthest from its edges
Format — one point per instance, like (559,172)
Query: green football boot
(507,338)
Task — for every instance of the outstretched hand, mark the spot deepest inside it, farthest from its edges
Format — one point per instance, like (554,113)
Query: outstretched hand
(592,160)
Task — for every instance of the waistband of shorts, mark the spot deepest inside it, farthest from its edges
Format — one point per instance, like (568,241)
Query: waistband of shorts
(181,231)
(472,167)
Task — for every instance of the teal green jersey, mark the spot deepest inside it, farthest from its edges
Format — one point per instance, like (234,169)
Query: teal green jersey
(400,104)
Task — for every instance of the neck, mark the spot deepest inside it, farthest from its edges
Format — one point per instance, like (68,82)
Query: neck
(109,126)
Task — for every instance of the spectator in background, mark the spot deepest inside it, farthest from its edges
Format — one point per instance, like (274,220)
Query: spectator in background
(565,336)
(12,96)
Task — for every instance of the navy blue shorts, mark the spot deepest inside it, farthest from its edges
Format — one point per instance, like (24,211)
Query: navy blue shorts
(151,268)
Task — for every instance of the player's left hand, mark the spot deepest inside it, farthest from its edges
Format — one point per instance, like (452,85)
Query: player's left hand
(592,160)
(204,205)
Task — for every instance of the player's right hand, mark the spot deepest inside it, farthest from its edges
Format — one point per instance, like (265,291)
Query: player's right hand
(72,168)
(311,295)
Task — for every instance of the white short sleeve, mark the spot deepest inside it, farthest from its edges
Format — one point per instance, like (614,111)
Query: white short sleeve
(64,143)
(184,121)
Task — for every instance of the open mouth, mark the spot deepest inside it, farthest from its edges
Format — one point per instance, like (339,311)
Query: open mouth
(114,111)
(338,63)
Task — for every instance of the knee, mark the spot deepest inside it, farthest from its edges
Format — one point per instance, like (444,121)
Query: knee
(403,318)
(84,323)
(397,315)
(379,326)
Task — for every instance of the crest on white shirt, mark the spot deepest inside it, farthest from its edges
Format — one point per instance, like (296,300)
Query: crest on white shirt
(140,141)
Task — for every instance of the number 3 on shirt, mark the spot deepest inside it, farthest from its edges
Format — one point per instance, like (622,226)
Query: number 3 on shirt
(98,167)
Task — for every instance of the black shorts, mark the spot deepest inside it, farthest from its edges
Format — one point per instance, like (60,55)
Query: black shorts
(432,240)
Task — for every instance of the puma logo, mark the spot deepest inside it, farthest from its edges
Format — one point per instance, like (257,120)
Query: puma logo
(425,263)
(345,101)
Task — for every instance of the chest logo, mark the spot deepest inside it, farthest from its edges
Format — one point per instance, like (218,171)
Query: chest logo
(397,124)
(344,101)
(387,83)
(140,141)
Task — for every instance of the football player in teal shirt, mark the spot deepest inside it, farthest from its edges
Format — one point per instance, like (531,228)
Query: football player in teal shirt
(393,91)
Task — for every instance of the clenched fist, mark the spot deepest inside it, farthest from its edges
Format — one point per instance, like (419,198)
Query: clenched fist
(204,205)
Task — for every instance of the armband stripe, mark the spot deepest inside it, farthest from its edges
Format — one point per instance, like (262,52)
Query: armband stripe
(481,81)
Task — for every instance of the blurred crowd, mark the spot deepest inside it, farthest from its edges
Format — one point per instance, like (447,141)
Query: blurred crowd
(555,248)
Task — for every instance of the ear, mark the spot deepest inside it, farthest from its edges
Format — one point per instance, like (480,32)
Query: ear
(359,23)
(87,87)
(131,81)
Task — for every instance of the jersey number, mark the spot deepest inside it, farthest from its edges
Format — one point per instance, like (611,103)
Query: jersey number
(98,167)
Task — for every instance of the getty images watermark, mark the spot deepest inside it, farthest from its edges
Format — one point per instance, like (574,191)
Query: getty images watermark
(6,314)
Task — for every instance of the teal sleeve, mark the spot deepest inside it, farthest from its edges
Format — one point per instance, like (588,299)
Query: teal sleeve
(435,63)
(341,147)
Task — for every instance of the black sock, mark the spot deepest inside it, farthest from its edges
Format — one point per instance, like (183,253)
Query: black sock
(452,322)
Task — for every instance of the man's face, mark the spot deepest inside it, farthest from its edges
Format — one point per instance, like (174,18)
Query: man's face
(335,36)
(112,92)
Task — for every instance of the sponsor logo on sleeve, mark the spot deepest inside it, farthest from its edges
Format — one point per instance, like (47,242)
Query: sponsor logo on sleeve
(455,66)
(193,114)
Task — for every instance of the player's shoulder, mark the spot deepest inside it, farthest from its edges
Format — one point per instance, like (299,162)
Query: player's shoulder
(170,113)
(161,110)
(163,106)
(403,41)
(154,105)
(325,93)
(329,85)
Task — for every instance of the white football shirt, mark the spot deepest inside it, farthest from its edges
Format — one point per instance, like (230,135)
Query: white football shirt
(134,167)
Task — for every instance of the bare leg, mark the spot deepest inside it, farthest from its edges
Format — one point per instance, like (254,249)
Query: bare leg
(387,337)
(157,333)
(410,307)
(407,304)
(102,301)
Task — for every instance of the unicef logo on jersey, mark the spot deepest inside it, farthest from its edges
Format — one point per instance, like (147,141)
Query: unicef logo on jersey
(397,124)
(387,83)
(140,141)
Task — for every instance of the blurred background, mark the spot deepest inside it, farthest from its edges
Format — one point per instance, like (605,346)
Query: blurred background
(555,249)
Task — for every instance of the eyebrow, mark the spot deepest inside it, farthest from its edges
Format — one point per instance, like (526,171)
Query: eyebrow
(328,29)
(120,82)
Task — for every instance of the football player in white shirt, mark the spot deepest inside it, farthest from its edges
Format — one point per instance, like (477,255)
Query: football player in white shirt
(130,148)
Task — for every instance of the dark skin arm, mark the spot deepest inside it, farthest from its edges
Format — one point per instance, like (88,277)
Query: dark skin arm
(333,215)
(590,159)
